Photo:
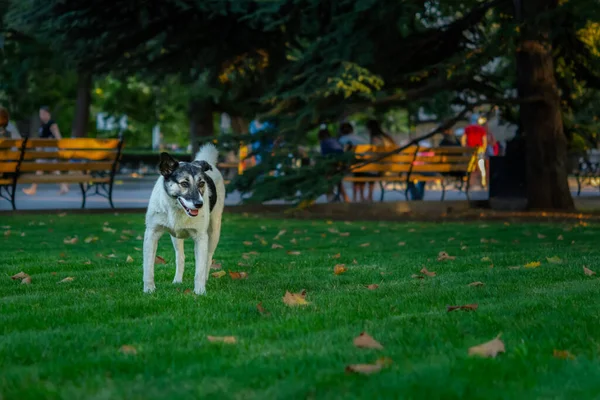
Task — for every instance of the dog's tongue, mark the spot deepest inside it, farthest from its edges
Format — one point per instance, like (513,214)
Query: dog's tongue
(194,212)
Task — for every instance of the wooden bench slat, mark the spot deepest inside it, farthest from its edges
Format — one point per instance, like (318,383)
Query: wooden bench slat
(75,143)
(55,178)
(96,155)
(11,143)
(9,155)
(6,167)
(66,166)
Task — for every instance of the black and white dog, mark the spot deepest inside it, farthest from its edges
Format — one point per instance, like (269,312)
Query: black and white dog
(187,201)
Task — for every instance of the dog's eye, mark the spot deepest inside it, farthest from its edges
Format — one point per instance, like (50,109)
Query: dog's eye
(201,184)
(185,184)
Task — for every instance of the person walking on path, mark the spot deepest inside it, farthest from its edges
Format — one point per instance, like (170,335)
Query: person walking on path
(48,130)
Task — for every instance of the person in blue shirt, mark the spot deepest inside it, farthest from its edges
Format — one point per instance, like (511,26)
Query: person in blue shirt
(330,145)
(255,127)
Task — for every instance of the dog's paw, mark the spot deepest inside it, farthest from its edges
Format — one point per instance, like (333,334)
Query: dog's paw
(149,287)
(200,291)
(177,281)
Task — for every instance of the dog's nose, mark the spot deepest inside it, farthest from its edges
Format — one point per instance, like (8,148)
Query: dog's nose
(198,204)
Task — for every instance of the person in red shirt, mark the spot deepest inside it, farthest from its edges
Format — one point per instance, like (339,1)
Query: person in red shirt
(476,136)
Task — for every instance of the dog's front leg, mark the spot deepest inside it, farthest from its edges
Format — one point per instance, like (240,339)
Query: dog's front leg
(150,243)
(179,259)
(201,255)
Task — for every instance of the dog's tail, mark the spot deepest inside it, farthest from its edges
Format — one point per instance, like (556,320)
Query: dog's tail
(208,153)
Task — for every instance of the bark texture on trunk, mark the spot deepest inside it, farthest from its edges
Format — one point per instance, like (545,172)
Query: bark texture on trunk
(201,123)
(546,143)
(82,105)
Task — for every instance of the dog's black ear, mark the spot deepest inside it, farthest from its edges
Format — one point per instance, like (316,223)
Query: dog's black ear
(167,164)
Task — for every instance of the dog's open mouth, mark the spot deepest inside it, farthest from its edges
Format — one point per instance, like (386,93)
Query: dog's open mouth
(190,212)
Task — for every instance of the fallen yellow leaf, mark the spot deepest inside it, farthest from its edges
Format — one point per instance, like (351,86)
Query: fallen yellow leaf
(218,274)
(127,349)
(443,256)
(276,246)
(67,279)
(247,243)
(401,243)
(428,273)
(109,230)
(26,280)
(90,239)
(238,275)
(294,253)
(476,284)
(563,354)
(366,341)
(339,269)
(367,369)
(338,255)
(295,299)
(69,240)
(533,264)
(488,349)
(486,259)
(20,275)
(222,339)
(588,271)
(554,260)
(129,259)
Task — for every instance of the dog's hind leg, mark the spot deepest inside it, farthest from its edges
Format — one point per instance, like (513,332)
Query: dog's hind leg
(180,259)
(150,244)
(202,267)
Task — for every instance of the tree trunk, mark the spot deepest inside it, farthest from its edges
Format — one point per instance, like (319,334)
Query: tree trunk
(239,125)
(541,120)
(201,122)
(82,106)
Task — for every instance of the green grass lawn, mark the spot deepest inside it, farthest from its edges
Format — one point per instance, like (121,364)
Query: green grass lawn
(63,340)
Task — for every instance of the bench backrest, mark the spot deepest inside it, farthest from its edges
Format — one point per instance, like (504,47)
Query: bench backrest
(399,162)
(445,159)
(77,154)
(416,159)
(10,154)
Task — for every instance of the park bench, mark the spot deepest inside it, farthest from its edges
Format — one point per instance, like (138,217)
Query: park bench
(91,163)
(445,165)
(587,170)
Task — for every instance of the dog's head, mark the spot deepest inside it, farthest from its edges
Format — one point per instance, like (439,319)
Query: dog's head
(185,182)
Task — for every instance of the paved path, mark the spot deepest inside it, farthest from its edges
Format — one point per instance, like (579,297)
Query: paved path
(134,193)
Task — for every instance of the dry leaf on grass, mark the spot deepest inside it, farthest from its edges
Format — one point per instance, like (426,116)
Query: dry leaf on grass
(365,245)
(215,266)
(563,354)
(488,349)
(159,260)
(372,286)
(262,310)
(484,240)
(588,271)
(137,249)
(338,255)
(554,260)
(295,299)
(294,253)
(26,280)
(401,243)
(127,349)
(533,264)
(428,273)
(486,259)
(476,284)
(416,276)
(560,237)
(463,248)
(91,239)
(129,259)
(339,269)
(344,234)
(247,243)
(276,246)
(238,275)
(67,279)
(466,307)
(443,256)
(540,236)
(20,275)
(366,341)
(218,274)
(222,339)
(109,230)
(367,369)
(70,240)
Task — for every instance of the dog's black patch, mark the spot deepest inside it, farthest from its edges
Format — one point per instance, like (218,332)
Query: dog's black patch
(212,198)
(204,166)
